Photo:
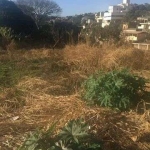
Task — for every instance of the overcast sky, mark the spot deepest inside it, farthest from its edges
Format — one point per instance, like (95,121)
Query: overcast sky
(72,7)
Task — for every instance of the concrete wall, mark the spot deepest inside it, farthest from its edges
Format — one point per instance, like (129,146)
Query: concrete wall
(142,46)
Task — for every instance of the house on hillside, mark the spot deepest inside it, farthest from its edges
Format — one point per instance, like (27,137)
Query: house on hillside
(133,35)
(139,33)
(143,23)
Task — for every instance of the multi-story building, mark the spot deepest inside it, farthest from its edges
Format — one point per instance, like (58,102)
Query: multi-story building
(115,13)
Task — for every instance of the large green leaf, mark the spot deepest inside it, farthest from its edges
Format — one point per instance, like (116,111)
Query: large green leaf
(74,131)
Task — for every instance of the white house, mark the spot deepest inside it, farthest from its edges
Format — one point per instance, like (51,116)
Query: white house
(115,13)
(144,23)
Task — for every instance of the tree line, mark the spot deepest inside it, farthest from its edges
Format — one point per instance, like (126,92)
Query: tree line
(36,20)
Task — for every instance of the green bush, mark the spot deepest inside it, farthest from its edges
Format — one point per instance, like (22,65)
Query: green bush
(74,136)
(115,89)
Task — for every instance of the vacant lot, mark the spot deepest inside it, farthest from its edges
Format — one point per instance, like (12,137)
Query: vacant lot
(41,86)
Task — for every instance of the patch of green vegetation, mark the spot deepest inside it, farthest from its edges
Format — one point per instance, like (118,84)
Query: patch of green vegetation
(33,67)
(12,71)
(74,136)
(7,75)
(116,89)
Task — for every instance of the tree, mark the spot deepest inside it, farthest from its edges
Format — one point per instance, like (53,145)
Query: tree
(112,31)
(39,10)
(137,11)
(12,17)
(95,34)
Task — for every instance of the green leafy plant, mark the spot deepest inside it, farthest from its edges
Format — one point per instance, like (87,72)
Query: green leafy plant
(32,142)
(74,136)
(77,136)
(62,145)
(39,140)
(116,89)
(74,131)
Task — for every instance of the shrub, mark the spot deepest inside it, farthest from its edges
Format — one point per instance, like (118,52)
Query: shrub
(115,89)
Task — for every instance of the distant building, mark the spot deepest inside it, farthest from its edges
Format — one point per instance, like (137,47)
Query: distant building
(133,35)
(99,17)
(126,3)
(87,20)
(143,23)
(115,13)
(139,33)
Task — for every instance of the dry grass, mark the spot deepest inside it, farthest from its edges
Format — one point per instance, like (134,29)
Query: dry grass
(42,109)
(89,59)
(52,94)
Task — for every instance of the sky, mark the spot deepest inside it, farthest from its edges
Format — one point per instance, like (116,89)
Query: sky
(72,7)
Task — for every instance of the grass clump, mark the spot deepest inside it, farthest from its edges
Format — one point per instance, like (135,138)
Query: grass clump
(116,89)
(74,136)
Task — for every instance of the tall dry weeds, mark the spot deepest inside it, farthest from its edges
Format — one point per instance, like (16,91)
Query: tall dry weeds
(129,58)
(90,59)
